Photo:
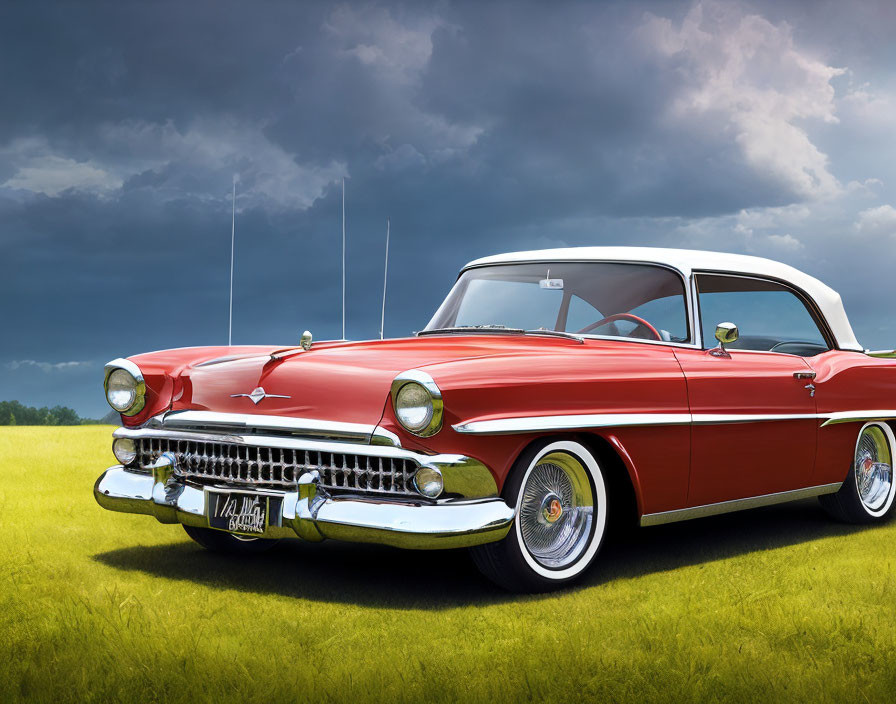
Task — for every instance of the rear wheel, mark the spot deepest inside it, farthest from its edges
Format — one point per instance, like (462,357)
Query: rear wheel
(560,497)
(229,543)
(867,493)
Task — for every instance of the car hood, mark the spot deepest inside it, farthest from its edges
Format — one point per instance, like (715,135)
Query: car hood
(348,382)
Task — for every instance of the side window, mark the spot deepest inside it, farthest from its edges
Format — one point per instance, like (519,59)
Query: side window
(769,316)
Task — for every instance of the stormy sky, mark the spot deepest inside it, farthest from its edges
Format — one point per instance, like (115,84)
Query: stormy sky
(478,127)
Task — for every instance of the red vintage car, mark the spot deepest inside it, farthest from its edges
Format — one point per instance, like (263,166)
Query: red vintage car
(551,391)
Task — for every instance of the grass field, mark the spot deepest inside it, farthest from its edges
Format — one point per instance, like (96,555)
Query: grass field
(776,604)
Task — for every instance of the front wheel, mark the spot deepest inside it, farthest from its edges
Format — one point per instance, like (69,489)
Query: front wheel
(229,543)
(560,500)
(867,493)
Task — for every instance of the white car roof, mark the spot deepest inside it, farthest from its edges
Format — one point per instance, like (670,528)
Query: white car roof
(688,261)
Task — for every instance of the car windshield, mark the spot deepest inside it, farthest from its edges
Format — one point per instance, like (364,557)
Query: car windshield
(637,301)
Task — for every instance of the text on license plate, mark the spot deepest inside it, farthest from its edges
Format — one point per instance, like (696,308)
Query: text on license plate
(237,513)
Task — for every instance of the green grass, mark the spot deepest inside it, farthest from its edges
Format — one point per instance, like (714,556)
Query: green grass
(777,604)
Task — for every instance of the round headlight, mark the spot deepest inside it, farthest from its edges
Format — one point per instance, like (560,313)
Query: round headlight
(417,402)
(413,406)
(125,450)
(428,481)
(125,387)
(121,390)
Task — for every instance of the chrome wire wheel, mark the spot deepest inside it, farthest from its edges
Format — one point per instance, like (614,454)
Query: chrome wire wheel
(556,511)
(873,469)
(557,490)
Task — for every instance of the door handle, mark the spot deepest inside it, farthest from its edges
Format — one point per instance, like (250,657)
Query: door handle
(804,375)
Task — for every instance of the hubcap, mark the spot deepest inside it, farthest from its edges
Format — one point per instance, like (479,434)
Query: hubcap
(556,510)
(873,468)
(551,508)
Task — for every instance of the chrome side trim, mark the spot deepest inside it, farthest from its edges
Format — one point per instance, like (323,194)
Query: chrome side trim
(235,422)
(857,416)
(381,436)
(684,514)
(723,418)
(537,424)
(507,426)
(883,354)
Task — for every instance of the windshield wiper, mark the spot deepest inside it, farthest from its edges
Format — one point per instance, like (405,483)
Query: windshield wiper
(472,329)
(557,333)
(500,329)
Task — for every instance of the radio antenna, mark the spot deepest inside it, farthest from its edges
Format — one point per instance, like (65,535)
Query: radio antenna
(385,279)
(232,238)
(343,257)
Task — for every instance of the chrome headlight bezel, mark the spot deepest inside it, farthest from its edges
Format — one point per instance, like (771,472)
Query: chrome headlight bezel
(425,381)
(139,385)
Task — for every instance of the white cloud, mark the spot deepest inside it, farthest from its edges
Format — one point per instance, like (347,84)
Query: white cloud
(871,107)
(771,232)
(869,188)
(788,243)
(746,76)
(879,221)
(203,158)
(46,366)
(397,51)
(39,170)
(403,157)
(200,160)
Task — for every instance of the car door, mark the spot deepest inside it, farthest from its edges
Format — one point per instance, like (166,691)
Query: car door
(754,426)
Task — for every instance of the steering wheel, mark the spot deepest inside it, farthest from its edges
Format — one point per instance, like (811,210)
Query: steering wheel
(640,322)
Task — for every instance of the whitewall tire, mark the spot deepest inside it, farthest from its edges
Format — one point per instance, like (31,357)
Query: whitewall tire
(869,489)
(559,494)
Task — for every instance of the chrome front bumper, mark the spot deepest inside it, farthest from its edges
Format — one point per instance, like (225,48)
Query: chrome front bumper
(312,514)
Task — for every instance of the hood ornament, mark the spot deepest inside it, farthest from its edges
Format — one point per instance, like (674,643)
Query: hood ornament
(257,395)
(305,340)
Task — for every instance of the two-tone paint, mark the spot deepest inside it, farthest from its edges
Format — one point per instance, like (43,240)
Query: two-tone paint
(696,432)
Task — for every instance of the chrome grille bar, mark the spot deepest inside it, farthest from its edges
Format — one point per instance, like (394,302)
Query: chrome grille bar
(208,460)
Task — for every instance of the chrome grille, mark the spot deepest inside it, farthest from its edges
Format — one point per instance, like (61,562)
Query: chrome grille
(208,462)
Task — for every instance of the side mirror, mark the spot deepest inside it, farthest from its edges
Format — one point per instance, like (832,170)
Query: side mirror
(726,333)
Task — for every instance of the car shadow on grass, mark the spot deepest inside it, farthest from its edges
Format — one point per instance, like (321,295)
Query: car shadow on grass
(383,577)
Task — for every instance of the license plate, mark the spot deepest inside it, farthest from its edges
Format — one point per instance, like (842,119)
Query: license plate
(237,512)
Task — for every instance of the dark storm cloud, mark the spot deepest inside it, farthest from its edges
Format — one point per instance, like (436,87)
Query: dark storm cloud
(478,127)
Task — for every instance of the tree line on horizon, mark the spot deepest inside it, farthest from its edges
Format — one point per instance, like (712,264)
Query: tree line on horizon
(16,413)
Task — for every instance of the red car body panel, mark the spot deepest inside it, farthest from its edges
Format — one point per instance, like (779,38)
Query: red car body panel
(738,460)
(547,377)
(847,381)
(484,377)
(481,377)
(697,431)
